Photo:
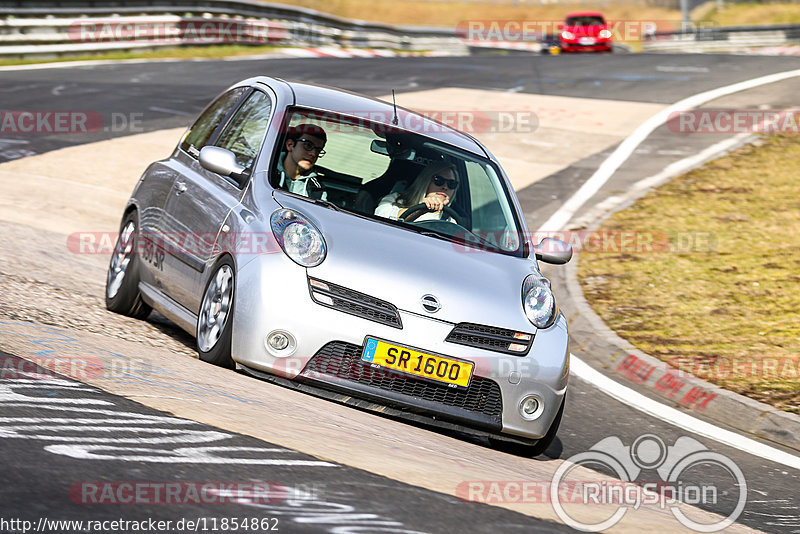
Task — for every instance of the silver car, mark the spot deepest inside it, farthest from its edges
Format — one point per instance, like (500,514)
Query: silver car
(434,314)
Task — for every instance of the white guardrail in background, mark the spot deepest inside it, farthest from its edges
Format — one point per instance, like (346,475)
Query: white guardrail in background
(64,27)
(45,29)
(725,39)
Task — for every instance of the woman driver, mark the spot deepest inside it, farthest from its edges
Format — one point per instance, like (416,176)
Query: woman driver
(435,187)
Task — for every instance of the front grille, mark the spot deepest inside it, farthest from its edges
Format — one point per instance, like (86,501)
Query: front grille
(355,303)
(343,360)
(491,338)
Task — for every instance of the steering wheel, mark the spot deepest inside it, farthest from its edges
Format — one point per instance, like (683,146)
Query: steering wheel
(447,210)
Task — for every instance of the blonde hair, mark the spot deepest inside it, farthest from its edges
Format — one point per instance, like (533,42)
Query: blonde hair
(416,191)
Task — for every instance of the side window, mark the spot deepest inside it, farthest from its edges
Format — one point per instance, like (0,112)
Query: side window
(204,126)
(246,130)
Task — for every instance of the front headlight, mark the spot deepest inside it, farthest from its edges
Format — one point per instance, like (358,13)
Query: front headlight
(605,34)
(298,238)
(538,301)
(568,35)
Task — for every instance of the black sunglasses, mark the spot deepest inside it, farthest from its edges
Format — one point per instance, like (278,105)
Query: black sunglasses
(309,147)
(441,180)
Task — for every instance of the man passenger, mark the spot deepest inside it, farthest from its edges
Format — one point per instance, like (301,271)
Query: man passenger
(304,145)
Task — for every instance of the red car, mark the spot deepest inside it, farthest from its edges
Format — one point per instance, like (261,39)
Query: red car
(584,32)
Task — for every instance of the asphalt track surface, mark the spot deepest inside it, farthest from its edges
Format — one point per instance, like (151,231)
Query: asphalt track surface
(169,94)
(242,478)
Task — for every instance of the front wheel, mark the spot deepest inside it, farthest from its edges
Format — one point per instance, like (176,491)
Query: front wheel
(215,319)
(122,281)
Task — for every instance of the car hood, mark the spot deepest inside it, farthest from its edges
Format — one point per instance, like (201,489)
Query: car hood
(400,266)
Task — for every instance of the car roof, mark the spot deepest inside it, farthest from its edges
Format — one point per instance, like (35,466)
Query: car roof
(316,96)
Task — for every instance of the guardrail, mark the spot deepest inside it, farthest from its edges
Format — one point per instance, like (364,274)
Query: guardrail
(723,39)
(39,28)
(64,27)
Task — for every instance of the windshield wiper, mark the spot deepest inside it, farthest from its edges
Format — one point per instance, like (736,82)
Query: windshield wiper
(326,203)
(437,235)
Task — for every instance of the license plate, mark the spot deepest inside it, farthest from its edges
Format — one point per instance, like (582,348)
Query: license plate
(455,373)
(586,40)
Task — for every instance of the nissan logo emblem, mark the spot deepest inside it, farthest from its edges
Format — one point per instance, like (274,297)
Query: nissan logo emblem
(430,303)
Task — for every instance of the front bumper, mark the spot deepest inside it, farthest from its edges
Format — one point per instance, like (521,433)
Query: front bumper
(329,344)
(576,47)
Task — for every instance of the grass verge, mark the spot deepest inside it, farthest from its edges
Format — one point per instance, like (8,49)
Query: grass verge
(720,295)
(426,13)
(749,14)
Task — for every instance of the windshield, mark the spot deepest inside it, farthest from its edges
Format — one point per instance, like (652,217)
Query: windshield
(397,177)
(587,20)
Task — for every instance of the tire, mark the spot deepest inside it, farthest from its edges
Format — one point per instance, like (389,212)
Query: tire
(215,317)
(534,449)
(122,280)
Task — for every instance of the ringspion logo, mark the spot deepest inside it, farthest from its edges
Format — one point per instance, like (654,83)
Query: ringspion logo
(673,464)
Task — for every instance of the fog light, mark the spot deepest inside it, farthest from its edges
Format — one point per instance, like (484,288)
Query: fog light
(280,343)
(531,407)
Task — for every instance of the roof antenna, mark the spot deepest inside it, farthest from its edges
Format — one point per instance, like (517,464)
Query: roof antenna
(394,104)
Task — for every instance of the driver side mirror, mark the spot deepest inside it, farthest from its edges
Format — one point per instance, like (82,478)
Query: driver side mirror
(554,251)
(220,161)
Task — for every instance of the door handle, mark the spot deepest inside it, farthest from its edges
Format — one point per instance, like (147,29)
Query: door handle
(180,187)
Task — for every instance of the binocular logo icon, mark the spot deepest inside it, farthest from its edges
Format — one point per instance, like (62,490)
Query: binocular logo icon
(647,453)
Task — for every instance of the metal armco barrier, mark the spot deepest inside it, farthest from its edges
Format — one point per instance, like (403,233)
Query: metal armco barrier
(723,39)
(55,28)
(63,27)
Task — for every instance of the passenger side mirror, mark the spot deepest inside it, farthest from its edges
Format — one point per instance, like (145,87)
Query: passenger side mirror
(554,251)
(220,161)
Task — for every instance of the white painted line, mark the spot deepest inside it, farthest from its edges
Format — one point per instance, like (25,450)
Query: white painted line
(300,52)
(63,181)
(199,455)
(681,166)
(170,111)
(356,52)
(330,51)
(673,169)
(87,63)
(675,417)
(561,217)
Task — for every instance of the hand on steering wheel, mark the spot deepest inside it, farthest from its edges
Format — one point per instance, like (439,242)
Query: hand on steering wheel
(436,201)
(447,212)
